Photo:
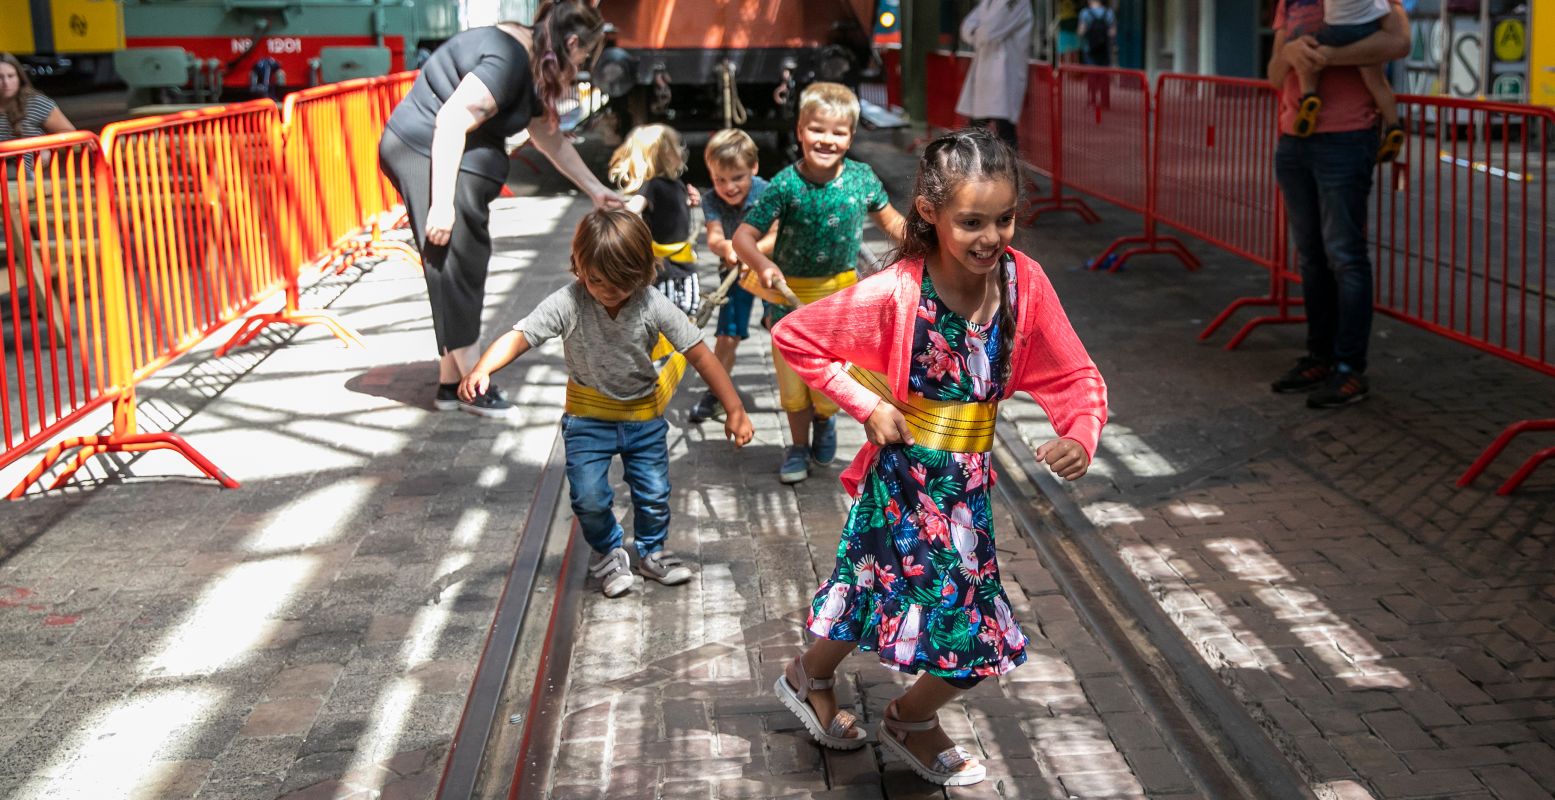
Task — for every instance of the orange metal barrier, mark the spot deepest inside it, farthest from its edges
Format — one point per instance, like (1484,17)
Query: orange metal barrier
(69,350)
(1105,148)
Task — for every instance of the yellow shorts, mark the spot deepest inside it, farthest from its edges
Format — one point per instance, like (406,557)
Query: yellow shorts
(794,395)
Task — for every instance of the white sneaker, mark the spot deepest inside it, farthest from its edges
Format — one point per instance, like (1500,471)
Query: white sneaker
(664,567)
(614,570)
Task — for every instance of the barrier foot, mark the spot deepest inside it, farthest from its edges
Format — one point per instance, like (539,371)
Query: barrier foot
(1247,330)
(91,446)
(1494,450)
(1246,302)
(1042,205)
(253,325)
(1112,260)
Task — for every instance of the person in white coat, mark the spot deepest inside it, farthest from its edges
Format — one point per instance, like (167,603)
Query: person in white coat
(999,32)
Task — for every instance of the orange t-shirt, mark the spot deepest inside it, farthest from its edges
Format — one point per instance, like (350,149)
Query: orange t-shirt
(1347,106)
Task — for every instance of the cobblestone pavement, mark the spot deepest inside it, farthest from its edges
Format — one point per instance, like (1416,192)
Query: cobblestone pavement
(1391,631)
(671,687)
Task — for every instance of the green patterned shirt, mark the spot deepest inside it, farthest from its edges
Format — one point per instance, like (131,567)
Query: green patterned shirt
(823,225)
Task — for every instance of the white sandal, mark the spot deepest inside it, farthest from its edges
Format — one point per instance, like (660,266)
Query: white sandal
(950,767)
(842,734)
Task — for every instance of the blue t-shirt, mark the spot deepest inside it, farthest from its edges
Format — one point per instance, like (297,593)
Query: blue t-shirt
(714,207)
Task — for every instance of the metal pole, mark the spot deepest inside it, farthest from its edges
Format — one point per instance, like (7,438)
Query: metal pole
(1487,50)
(1444,73)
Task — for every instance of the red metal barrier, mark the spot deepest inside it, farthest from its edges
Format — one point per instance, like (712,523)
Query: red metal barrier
(1214,179)
(1459,231)
(891,74)
(1104,130)
(68,352)
(1040,136)
(943,75)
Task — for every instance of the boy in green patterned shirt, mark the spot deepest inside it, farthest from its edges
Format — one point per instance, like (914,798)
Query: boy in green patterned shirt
(822,201)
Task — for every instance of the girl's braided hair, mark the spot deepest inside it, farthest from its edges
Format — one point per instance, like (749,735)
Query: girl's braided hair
(948,163)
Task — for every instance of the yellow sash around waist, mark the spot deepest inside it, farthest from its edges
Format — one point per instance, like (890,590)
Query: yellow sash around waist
(938,424)
(806,290)
(585,401)
(680,252)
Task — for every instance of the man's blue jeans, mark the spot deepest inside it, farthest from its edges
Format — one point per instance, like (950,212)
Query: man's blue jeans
(1326,179)
(644,450)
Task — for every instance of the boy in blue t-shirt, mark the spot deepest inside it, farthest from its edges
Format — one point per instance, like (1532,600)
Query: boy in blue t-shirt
(731,161)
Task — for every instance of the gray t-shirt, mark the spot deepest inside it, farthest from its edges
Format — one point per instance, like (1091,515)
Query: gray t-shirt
(611,355)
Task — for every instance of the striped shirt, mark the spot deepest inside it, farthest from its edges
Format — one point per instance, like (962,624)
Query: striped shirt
(37,109)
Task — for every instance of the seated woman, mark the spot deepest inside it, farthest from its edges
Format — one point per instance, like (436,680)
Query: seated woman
(24,111)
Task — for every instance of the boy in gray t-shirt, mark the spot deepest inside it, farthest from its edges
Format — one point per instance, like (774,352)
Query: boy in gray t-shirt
(614,329)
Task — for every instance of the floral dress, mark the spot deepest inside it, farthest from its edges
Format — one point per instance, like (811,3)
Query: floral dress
(916,576)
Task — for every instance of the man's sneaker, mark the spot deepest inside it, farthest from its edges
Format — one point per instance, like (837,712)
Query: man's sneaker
(823,440)
(491,404)
(796,464)
(664,567)
(614,570)
(1308,374)
(705,408)
(1343,388)
(447,398)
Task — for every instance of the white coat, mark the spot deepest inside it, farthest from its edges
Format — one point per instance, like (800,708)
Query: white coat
(1000,34)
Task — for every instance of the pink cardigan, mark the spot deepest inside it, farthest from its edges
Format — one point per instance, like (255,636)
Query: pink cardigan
(870,325)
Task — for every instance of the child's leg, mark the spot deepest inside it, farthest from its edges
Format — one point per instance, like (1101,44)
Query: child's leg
(820,662)
(1376,79)
(1392,142)
(794,397)
(921,702)
(646,460)
(591,444)
(1310,104)
(799,426)
(723,350)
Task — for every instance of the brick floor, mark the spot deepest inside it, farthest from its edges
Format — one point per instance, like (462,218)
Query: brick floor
(671,687)
(1391,631)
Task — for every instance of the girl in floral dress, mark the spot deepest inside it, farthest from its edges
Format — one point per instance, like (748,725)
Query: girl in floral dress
(922,353)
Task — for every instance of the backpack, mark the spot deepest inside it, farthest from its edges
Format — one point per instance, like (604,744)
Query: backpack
(1098,30)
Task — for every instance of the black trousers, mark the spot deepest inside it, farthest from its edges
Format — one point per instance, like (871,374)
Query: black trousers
(455,272)
(1002,128)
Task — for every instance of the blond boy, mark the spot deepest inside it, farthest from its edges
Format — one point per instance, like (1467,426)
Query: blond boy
(820,203)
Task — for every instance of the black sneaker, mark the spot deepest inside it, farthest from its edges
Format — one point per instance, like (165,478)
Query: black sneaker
(1342,389)
(705,408)
(1308,374)
(491,404)
(447,397)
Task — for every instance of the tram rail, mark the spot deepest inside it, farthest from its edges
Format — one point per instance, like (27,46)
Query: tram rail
(506,741)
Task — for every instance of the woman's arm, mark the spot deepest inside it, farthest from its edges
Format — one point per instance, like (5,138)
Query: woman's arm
(1389,44)
(57,122)
(470,105)
(548,139)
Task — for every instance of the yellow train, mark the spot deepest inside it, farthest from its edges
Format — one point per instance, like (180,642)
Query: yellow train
(63,37)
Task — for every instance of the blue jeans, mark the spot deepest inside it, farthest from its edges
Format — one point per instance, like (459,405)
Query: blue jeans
(644,450)
(1326,179)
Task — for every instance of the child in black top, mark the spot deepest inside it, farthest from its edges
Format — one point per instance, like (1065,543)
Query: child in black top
(648,166)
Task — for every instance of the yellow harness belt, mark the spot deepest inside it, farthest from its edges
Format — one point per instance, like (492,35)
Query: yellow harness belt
(680,252)
(585,401)
(938,424)
(807,290)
